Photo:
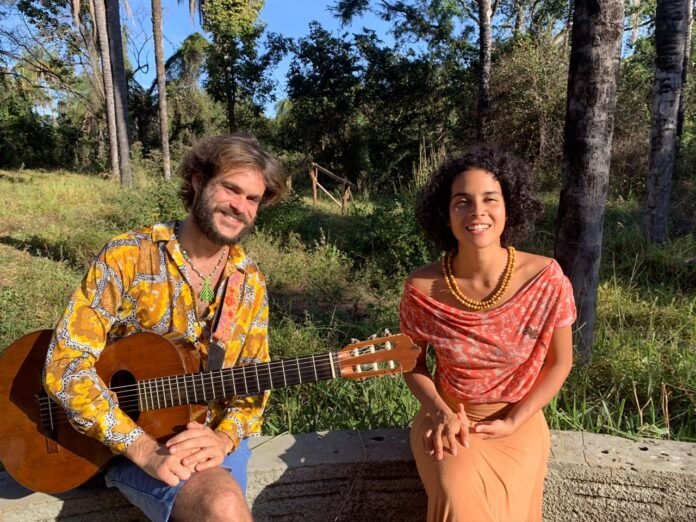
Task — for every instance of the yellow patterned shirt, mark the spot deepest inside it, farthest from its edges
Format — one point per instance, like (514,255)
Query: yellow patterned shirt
(137,283)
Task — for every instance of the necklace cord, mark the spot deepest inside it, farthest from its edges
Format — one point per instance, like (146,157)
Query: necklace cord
(206,293)
(496,295)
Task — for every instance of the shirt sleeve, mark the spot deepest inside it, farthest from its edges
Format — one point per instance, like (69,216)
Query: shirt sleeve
(243,417)
(408,321)
(70,376)
(565,306)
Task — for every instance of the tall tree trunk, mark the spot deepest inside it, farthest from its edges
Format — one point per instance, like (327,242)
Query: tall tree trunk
(594,65)
(232,107)
(161,86)
(519,18)
(635,22)
(485,44)
(671,28)
(99,13)
(118,71)
(685,75)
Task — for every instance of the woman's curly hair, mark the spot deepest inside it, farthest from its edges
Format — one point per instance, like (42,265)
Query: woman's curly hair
(522,207)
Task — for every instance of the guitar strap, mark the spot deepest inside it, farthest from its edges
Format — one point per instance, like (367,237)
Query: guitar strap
(224,327)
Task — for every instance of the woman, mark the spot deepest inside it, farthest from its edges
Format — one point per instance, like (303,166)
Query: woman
(499,321)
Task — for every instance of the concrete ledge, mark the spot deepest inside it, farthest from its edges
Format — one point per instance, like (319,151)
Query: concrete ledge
(370,475)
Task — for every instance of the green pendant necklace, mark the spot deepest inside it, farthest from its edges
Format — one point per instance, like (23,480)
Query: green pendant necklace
(206,294)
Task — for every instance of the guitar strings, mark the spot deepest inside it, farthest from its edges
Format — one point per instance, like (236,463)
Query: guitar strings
(59,416)
(129,396)
(238,372)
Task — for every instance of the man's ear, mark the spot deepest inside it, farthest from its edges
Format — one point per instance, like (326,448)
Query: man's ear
(196,181)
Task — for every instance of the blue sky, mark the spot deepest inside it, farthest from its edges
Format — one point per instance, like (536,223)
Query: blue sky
(287,17)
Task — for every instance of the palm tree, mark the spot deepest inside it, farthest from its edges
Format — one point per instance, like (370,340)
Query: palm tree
(118,71)
(161,86)
(99,16)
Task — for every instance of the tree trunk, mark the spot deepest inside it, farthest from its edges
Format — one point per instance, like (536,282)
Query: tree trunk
(161,86)
(519,19)
(685,74)
(99,13)
(635,22)
(485,44)
(671,27)
(118,71)
(592,78)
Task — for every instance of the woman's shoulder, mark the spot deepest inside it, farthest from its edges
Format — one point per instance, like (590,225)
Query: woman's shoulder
(422,278)
(531,265)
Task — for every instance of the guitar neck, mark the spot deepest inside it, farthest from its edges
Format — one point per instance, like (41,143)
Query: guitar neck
(252,379)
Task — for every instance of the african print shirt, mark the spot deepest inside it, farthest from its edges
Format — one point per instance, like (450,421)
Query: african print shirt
(137,283)
(492,356)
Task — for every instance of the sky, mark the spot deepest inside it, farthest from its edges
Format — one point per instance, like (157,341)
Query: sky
(288,17)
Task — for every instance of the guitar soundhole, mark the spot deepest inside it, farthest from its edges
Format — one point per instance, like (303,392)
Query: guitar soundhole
(124,385)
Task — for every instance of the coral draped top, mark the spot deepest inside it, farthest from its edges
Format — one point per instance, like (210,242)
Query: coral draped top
(496,355)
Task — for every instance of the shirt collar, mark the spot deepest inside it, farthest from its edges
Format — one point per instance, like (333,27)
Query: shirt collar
(237,258)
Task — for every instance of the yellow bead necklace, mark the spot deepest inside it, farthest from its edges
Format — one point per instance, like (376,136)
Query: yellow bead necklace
(490,301)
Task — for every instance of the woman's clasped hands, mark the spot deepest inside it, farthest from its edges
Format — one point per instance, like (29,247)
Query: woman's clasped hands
(449,429)
(449,426)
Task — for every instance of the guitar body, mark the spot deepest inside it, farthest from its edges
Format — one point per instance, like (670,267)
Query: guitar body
(62,459)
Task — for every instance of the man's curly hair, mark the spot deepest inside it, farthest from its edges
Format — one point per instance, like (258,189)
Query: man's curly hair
(522,207)
(217,154)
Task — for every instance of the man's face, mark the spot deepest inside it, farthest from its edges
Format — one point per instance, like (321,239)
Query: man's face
(225,209)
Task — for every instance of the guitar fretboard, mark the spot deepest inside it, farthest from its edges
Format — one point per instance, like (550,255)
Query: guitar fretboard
(252,379)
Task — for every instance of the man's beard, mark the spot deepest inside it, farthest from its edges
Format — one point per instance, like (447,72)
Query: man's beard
(203,215)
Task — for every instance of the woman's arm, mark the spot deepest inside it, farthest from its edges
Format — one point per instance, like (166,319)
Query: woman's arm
(557,365)
(445,423)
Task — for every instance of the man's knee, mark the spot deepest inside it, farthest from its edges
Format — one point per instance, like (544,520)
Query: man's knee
(228,505)
(211,496)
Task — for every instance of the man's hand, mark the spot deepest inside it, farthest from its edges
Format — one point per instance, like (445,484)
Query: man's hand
(449,425)
(158,462)
(201,447)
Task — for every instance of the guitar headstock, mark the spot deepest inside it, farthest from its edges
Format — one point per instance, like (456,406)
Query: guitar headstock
(378,356)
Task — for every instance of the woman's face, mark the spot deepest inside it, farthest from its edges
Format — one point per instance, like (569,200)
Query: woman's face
(477,209)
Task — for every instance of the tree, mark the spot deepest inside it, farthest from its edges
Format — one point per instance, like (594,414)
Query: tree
(236,71)
(118,71)
(671,30)
(99,14)
(161,86)
(323,86)
(594,64)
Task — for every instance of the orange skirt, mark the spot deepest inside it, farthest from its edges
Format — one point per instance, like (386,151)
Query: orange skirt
(494,480)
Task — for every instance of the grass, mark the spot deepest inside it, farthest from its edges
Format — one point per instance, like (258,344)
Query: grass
(333,278)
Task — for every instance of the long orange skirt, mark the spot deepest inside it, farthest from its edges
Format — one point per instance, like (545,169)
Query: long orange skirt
(494,480)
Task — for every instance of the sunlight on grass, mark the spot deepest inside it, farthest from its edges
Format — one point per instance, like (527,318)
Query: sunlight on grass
(332,278)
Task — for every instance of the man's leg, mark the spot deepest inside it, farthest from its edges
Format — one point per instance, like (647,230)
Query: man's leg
(211,495)
(158,501)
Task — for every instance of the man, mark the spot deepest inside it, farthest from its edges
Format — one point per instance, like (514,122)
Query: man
(193,278)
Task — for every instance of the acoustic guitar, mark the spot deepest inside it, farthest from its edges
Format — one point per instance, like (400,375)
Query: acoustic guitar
(158,383)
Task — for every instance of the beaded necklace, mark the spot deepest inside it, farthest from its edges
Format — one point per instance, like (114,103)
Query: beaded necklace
(489,302)
(206,295)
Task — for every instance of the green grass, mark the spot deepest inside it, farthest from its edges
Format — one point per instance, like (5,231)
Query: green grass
(332,278)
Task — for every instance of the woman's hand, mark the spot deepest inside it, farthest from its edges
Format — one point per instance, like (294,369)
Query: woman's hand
(495,429)
(447,425)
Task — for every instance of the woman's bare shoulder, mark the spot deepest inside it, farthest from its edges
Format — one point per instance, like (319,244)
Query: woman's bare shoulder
(529,265)
(422,278)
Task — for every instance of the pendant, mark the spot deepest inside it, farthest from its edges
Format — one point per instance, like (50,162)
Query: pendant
(206,294)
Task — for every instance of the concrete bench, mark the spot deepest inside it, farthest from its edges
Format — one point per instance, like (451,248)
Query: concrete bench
(370,476)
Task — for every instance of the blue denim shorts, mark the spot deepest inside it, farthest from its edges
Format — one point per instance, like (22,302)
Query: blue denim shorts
(153,497)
